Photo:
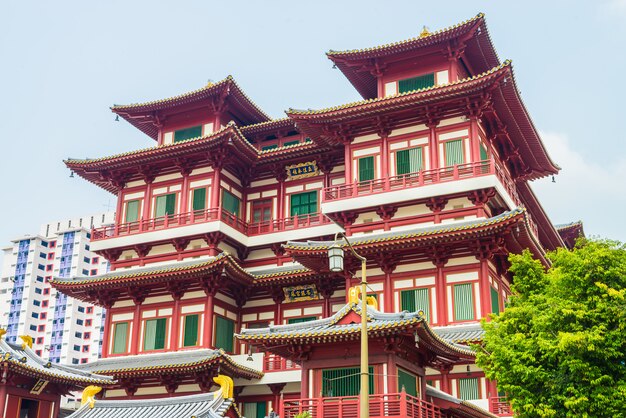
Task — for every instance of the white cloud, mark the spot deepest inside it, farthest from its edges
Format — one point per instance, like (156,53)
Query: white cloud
(585,190)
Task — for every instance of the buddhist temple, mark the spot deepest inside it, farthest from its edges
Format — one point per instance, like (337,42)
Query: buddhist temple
(223,229)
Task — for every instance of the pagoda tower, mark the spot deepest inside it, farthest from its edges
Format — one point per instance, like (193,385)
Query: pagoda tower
(224,224)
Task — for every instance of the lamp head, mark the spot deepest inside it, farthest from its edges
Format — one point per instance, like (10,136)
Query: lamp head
(335,258)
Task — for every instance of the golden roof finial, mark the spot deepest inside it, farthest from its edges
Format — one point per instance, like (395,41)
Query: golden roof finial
(89,395)
(2,332)
(425,32)
(28,341)
(226,386)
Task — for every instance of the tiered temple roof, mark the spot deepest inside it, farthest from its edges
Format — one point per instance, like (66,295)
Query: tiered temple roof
(570,232)
(345,325)
(145,116)
(472,35)
(313,254)
(176,362)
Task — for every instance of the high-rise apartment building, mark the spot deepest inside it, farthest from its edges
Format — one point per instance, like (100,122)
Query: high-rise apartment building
(64,330)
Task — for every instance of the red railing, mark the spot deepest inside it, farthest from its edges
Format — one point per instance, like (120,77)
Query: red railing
(393,405)
(274,363)
(209,215)
(421,178)
(498,405)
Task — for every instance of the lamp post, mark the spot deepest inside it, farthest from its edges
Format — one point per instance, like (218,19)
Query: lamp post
(335,260)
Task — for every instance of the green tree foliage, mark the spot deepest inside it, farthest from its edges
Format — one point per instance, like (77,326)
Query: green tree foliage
(559,348)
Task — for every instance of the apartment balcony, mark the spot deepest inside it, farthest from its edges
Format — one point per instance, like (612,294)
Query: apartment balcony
(422,184)
(200,222)
(394,405)
(498,405)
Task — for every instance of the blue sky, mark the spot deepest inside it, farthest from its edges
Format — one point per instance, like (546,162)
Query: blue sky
(65,62)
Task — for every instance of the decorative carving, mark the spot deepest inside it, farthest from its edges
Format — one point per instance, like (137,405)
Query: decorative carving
(213,239)
(212,283)
(386,212)
(326,163)
(387,262)
(111,255)
(130,386)
(142,250)
(481,196)
(243,252)
(176,289)
(277,249)
(437,204)
(241,295)
(180,244)
(439,256)
(148,173)
(138,294)
(170,382)
(278,296)
(276,388)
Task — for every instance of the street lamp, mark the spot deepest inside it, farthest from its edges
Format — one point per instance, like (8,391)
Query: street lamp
(335,261)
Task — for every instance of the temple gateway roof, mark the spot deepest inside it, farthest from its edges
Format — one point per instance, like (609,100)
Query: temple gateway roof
(205,405)
(24,361)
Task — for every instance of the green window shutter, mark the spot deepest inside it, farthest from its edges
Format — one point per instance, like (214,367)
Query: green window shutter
(261,409)
(230,203)
(303,203)
(416,83)
(154,335)
(495,302)
(483,152)
(255,409)
(454,152)
(224,333)
(463,302)
(165,205)
(289,143)
(300,320)
(403,165)
(468,389)
(407,300)
(191,331)
(415,159)
(344,382)
(366,168)
(269,147)
(199,199)
(416,300)
(132,211)
(409,161)
(188,133)
(408,381)
(119,337)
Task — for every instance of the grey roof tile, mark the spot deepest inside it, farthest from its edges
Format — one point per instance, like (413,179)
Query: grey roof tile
(205,405)
(461,333)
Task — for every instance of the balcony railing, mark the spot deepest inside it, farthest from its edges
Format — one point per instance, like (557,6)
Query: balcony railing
(499,405)
(274,363)
(421,178)
(393,405)
(209,215)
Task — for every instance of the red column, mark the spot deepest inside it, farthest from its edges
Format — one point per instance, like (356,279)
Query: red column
(348,161)
(215,187)
(118,210)
(433,145)
(208,321)
(442,297)
(304,384)
(485,289)
(134,347)
(3,392)
(388,292)
(175,325)
(384,159)
(348,278)
(280,203)
(105,334)
(474,141)
(392,372)
(184,194)
(145,207)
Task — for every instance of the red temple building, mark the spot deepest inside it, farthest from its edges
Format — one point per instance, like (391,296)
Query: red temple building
(223,227)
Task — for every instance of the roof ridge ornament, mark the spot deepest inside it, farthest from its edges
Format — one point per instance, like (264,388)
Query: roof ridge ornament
(89,395)
(425,32)
(28,341)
